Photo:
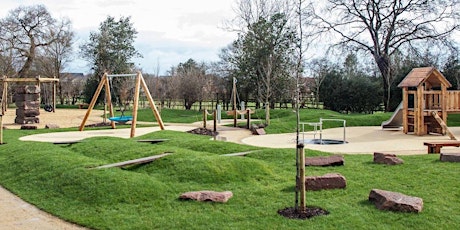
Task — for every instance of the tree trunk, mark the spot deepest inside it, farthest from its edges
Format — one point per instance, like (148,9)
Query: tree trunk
(30,58)
(383,63)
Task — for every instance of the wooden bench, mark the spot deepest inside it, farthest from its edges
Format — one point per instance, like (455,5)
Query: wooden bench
(435,146)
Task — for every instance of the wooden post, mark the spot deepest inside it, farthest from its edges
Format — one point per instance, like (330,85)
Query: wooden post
(248,112)
(54,95)
(302,186)
(444,99)
(405,109)
(214,117)
(152,104)
(136,104)
(419,116)
(205,117)
(234,103)
(103,82)
(1,129)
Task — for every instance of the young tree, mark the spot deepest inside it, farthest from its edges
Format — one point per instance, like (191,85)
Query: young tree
(25,30)
(382,27)
(110,50)
(265,47)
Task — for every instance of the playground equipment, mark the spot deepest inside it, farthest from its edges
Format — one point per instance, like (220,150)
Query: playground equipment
(105,82)
(234,112)
(396,120)
(426,102)
(318,130)
(36,81)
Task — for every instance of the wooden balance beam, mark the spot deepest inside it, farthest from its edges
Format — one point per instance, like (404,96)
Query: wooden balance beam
(435,146)
(134,162)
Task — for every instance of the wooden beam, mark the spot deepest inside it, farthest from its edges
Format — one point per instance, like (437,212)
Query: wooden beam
(133,162)
(38,79)
(443,125)
(153,141)
(240,154)
(94,100)
(152,104)
(136,104)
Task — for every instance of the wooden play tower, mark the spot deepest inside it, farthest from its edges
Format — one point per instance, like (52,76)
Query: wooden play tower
(426,102)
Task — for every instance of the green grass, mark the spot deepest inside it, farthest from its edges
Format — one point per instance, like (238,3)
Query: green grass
(59,179)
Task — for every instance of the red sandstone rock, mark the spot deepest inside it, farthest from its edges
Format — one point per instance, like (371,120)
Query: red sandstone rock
(335,160)
(394,201)
(213,196)
(327,181)
(386,158)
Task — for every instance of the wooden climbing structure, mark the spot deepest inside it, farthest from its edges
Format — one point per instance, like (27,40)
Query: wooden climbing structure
(427,102)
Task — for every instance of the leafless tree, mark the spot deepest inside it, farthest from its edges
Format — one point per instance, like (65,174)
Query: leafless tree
(25,30)
(382,27)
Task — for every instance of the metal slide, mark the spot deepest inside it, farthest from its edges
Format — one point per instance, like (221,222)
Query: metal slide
(396,120)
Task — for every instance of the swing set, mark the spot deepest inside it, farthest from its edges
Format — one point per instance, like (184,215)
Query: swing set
(105,82)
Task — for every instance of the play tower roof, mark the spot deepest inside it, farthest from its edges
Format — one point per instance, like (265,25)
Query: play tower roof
(418,76)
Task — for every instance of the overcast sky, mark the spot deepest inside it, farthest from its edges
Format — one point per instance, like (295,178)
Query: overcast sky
(169,32)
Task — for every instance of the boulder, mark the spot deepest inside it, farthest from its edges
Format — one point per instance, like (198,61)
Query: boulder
(394,201)
(450,157)
(387,158)
(213,196)
(335,160)
(327,181)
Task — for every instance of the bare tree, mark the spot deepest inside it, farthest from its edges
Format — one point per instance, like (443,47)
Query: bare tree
(382,27)
(25,30)
(55,56)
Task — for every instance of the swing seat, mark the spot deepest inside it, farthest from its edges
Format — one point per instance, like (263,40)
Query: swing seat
(121,119)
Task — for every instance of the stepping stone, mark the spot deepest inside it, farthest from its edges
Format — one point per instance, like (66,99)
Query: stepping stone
(335,160)
(28,127)
(51,126)
(450,157)
(327,181)
(394,201)
(212,196)
(260,131)
(387,158)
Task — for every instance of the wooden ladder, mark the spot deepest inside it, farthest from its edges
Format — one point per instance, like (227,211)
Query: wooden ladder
(443,125)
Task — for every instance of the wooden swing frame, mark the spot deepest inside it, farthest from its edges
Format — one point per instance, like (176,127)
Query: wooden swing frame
(37,80)
(139,82)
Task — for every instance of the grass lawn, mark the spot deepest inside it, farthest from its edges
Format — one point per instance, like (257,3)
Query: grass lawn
(59,180)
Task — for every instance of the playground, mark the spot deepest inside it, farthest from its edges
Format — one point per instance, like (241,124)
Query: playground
(360,143)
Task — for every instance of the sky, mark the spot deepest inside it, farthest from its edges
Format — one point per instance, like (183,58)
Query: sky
(169,32)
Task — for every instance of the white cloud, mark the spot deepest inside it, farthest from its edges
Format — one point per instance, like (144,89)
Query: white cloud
(170,32)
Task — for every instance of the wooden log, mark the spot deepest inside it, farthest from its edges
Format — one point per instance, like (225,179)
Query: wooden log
(133,162)
(240,154)
(153,141)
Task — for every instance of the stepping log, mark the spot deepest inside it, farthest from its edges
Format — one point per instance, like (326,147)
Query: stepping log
(335,160)
(133,162)
(212,196)
(387,158)
(327,181)
(394,201)
(240,154)
(153,141)
(450,157)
